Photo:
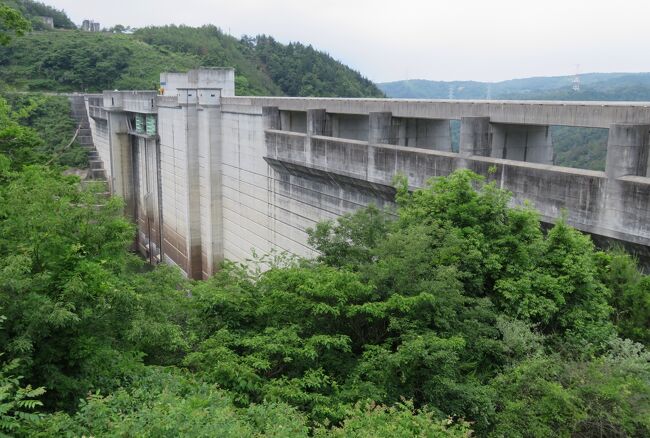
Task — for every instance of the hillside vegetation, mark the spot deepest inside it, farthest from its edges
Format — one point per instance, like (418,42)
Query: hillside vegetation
(79,61)
(594,86)
(33,9)
(454,315)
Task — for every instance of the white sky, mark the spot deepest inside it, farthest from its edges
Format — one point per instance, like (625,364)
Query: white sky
(487,40)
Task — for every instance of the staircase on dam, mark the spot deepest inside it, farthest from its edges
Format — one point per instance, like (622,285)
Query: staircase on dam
(96,174)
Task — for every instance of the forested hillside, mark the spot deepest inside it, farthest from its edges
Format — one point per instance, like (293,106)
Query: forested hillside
(78,61)
(33,9)
(593,86)
(453,315)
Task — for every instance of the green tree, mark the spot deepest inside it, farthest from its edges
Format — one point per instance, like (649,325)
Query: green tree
(12,23)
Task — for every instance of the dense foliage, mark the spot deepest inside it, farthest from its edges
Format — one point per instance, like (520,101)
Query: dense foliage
(50,118)
(78,61)
(449,316)
(12,23)
(32,10)
(84,61)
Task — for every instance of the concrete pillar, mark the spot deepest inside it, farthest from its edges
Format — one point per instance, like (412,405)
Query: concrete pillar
(210,198)
(475,136)
(271,116)
(530,143)
(318,123)
(379,127)
(121,160)
(627,150)
(188,100)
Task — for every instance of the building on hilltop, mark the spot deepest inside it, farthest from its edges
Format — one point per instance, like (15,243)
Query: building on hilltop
(90,26)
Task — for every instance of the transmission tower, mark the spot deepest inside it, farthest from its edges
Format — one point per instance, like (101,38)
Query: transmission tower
(576,79)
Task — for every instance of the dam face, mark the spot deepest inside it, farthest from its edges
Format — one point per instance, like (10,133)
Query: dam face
(207,175)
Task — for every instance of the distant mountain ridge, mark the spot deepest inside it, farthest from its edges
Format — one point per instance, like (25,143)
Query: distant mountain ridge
(574,147)
(593,86)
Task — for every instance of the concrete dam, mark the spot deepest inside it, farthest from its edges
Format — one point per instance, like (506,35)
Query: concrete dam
(207,175)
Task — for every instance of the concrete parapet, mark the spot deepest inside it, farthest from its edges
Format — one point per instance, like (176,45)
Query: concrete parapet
(209,96)
(188,96)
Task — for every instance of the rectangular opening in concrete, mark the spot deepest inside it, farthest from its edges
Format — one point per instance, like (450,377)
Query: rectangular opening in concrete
(294,121)
(422,133)
(582,148)
(349,126)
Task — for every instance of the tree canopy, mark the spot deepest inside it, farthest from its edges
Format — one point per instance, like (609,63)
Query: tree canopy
(451,315)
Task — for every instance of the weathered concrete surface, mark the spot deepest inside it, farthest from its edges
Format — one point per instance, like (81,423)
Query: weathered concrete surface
(227,176)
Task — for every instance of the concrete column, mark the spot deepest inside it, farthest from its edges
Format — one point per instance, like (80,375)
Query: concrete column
(210,188)
(188,100)
(530,143)
(271,116)
(121,160)
(318,123)
(475,136)
(627,150)
(379,127)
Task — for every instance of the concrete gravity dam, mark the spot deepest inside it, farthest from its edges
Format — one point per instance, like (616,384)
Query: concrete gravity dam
(207,175)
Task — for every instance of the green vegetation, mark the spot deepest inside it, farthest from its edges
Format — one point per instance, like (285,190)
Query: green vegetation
(453,313)
(79,61)
(594,86)
(50,118)
(74,60)
(32,10)
(11,23)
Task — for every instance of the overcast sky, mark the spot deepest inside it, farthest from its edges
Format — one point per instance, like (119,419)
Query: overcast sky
(487,40)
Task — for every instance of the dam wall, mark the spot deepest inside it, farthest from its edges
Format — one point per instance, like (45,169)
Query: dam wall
(208,175)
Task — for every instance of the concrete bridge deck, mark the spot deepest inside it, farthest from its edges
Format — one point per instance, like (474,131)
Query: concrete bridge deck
(208,175)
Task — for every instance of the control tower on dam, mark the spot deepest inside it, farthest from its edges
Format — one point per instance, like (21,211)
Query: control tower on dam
(208,175)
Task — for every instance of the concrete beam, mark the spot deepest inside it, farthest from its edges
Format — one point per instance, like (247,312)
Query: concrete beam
(584,114)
